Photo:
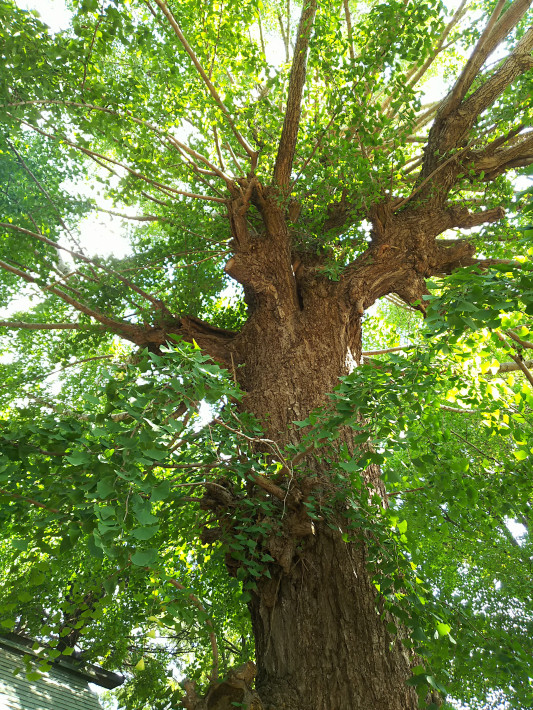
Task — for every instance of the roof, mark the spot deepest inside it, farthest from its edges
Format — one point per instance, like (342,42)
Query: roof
(64,687)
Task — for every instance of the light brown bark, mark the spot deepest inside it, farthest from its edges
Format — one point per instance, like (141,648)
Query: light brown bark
(320,641)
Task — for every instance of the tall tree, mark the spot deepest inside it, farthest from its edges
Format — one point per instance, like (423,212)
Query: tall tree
(209,465)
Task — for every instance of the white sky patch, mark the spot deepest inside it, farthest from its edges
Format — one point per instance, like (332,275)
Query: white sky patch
(517,530)
(104,235)
(53,12)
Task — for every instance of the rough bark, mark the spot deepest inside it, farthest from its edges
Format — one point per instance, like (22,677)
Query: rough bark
(320,641)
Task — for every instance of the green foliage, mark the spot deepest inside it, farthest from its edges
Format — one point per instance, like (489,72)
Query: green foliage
(107,453)
(453,439)
(116,489)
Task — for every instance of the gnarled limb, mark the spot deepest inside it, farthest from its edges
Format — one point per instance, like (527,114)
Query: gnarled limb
(496,30)
(234,691)
(214,341)
(493,161)
(457,114)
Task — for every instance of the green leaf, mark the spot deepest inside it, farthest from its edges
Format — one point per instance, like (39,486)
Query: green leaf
(520,454)
(443,629)
(78,458)
(402,526)
(160,492)
(145,533)
(105,487)
(144,558)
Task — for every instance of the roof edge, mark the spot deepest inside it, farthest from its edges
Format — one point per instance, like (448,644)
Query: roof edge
(72,664)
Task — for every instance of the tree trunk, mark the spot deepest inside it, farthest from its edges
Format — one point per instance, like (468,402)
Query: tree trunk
(321,643)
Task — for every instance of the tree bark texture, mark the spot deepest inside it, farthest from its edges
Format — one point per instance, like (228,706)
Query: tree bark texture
(320,641)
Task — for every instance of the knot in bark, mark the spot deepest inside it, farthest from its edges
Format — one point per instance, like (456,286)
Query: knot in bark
(217,496)
(234,691)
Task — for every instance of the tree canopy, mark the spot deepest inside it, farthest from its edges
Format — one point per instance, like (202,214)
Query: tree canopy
(362,161)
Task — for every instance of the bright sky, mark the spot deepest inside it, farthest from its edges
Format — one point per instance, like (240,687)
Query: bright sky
(53,12)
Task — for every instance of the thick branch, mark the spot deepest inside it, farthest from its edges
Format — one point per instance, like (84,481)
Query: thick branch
(291,123)
(494,33)
(522,343)
(120,327)
(457,115)
(495,162)
(267,485)
(400,348)
(415,74)
(348,17)
(462,218)
(513,367)
(519,61)
(214,341)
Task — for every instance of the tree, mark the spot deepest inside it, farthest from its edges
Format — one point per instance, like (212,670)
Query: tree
(339,519)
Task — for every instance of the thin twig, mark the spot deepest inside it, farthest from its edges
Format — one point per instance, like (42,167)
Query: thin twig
(166,189)
(40,186)
(517,359)
(370,353)
(408,490)
(81,257)
(211,88)
(473,446)
(197,603)
(32,501)
(20,325)
(86,63)
(128,115)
